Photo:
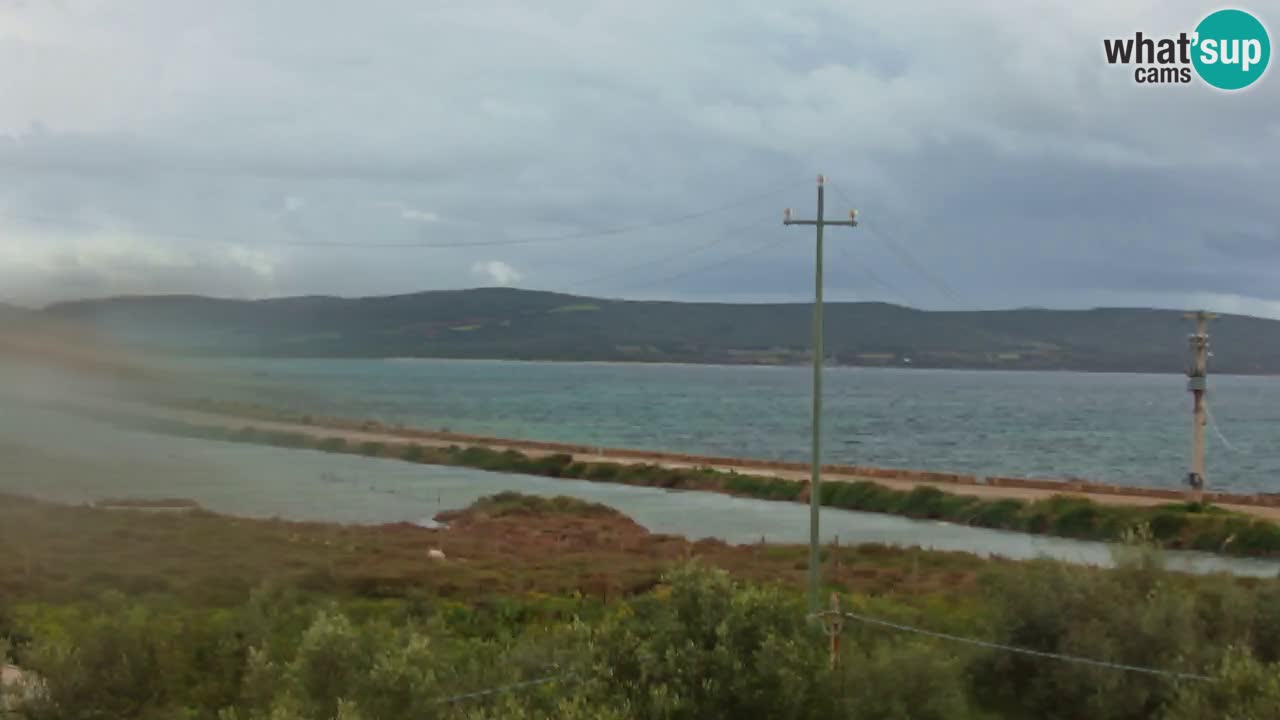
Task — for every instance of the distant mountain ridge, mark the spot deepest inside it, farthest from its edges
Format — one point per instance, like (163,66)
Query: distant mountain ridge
(507,323)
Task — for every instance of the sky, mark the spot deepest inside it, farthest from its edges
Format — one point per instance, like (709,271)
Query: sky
(628,149)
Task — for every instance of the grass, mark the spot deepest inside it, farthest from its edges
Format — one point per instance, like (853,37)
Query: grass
(580,307)
(1173,525)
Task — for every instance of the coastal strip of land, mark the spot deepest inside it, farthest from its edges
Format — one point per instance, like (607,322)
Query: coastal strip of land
(1248,530)
(236,415)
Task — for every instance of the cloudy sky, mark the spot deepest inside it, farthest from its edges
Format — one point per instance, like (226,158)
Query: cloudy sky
(628,149)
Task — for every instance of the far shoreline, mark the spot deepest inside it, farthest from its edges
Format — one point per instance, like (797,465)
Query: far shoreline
(691,364)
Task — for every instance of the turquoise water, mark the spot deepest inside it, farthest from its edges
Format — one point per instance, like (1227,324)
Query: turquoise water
(1123,428)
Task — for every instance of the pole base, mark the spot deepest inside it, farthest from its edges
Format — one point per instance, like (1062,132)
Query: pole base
(1196,484)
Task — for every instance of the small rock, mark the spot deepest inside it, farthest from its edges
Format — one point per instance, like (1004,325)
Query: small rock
(17,687)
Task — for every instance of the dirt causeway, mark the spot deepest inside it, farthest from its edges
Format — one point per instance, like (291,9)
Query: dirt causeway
(1262,506)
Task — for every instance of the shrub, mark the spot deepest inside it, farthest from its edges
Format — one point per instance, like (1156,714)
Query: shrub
(906,680)
(1167,525)
(1258,538)
(862,495)
(550,465)
(710,649)
(924,501)
(998,514)
(1077,520)
(1243,688)
(110,666)
(1133,615)
(602,472)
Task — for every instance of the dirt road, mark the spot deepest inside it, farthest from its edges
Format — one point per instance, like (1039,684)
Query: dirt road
(404,436)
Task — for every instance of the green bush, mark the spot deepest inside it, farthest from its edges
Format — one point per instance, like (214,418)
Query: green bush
(904,680)
(924,501)
(861,495)
(1135,615)
(700,646)
(1167,525)
(1077,520)
(1001,514)
(710,649)
(550,465)
(767,488)
(602,472)
(1243,689)
(111,665)
(1258,538)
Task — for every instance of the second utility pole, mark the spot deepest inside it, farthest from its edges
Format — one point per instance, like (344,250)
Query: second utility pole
(1196,376)
(815,471)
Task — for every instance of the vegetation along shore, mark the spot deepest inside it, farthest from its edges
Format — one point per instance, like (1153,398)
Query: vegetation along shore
(1173,524)
(533,607)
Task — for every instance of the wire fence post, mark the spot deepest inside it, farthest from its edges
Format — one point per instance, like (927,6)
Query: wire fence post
(833,631)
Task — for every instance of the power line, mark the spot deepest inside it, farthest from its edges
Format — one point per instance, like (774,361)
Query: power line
(567,236)
(502,689)
(866,272)
(580,235)
(752,250)
(905,255)
(1020,650)
(1212,423)
(724,236)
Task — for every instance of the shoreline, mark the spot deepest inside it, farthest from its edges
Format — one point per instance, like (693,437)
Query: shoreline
(1258,505)
(913,366)
(1057,511)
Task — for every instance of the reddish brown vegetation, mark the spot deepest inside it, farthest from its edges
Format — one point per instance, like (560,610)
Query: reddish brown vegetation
(58,552)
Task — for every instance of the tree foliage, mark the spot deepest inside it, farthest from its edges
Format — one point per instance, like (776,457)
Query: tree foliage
(701,645)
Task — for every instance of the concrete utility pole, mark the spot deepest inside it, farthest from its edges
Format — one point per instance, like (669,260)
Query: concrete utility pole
(816,462)
(1197,373)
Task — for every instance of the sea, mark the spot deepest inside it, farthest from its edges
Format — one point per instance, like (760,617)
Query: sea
(1132,429)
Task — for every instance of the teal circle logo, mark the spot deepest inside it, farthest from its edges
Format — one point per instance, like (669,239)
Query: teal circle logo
(1231,49)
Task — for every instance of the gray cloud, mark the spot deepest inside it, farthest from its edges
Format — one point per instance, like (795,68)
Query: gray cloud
(151,146)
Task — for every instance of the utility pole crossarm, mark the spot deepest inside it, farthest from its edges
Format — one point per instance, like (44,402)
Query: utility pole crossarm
(845,223)
(815,464)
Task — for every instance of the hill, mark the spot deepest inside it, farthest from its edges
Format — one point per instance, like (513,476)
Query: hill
(9,313)
(532,325)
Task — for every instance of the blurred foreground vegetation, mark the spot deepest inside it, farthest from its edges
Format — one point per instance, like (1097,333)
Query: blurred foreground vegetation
(700,644)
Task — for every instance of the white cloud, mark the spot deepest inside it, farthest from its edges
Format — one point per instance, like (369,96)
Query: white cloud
(220,133)
(496,272)
(420,215)
(257,261)
(47,266)
(291,205)
(408,213)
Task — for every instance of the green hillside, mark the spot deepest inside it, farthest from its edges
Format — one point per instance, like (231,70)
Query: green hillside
(520,324)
